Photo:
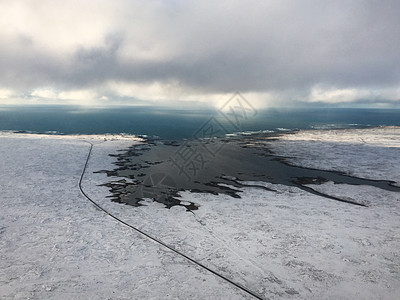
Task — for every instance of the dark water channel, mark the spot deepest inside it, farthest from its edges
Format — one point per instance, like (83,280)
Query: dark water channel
(159,170)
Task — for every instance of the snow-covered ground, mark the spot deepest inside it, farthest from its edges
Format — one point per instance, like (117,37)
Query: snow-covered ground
(370,153)
(282,245)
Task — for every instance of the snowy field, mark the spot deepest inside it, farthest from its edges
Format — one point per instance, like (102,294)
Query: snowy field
(289,244)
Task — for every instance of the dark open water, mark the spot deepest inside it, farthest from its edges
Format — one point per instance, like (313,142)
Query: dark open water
(177,124)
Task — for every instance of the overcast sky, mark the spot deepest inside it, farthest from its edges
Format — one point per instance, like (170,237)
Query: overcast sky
(273,52)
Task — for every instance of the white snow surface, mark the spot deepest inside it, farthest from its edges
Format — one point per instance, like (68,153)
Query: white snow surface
(369,153)
(289,244)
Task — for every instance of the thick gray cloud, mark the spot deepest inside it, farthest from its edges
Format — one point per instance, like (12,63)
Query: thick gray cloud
(280,47)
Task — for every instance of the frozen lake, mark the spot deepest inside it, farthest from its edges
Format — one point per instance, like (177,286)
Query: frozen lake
(280,241)
(159,170)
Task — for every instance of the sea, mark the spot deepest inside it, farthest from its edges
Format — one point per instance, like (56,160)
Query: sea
(167,123)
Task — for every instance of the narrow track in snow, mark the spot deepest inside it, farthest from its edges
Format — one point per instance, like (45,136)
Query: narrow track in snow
(154,239)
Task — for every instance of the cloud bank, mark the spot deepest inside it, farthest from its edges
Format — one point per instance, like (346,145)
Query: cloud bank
(162,51)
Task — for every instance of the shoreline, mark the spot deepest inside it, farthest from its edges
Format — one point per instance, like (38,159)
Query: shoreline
(104,137)
(239,134)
